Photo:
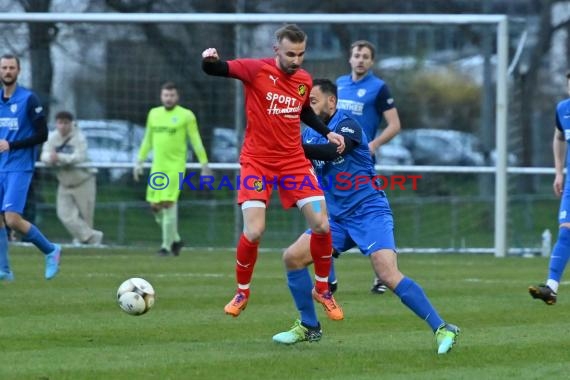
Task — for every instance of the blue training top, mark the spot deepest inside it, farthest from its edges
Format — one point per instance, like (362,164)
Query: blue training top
(563,124)
(365,100)
(17,115)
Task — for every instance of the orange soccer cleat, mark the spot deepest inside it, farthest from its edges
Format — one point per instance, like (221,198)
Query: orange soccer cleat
(236,305)
(333,309)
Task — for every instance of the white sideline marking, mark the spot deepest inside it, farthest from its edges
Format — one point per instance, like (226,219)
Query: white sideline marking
(175,275)
(105,274)
(484,281)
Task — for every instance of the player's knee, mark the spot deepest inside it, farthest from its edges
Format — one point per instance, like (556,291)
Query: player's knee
(320,226)
(295,259)
(254,233)
(13,221)
(288,259)
(391,278)
(386,266)
(321,229)
(166,204)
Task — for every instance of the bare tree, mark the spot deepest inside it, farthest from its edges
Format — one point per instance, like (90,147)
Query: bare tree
(528,78)
(178,47)
(41,35)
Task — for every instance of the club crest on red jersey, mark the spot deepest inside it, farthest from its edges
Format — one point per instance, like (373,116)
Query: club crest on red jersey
(302,89)
(258,185)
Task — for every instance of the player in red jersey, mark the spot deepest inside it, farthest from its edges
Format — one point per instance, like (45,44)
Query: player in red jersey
(276,101)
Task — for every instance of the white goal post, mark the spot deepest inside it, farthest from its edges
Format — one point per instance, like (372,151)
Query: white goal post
(500,21)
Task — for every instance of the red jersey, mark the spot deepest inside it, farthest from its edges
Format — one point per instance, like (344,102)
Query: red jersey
(273,104)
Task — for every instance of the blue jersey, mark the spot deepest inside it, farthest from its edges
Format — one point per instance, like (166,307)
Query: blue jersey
(563,118)
(17,116)
(365,100)
(563,125)
(342,180)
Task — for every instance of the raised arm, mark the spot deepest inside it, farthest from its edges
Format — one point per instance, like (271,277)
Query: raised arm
(212,65)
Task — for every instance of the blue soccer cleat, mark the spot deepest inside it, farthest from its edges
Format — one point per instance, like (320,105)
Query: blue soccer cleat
(299,333)
(445,337)
(6,276)
(52,262)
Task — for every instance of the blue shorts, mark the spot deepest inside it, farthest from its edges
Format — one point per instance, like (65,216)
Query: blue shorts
(370,227)
(14,191)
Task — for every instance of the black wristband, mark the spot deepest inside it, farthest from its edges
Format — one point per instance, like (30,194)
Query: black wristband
(217,68)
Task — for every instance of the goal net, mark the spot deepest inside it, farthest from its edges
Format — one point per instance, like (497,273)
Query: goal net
(447,73)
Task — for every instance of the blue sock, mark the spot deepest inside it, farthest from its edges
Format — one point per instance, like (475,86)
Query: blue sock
(560,254)
(301,285)
(332,273)
(4,258)
(413,296)
(35,236)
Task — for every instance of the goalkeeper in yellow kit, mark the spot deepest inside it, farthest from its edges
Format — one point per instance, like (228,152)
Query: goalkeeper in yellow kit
(168,129)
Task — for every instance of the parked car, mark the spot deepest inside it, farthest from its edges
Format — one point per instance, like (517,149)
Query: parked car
(112,141)
(410,147)
(394,153)
(438,147)
(512,159)
(443,147)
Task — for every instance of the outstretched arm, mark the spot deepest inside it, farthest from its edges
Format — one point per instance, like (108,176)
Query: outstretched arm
(212,65)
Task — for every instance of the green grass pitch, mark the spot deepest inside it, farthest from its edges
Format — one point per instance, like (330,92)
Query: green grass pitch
(72,328)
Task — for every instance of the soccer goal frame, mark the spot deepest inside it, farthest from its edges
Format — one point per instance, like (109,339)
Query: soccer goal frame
(497,20)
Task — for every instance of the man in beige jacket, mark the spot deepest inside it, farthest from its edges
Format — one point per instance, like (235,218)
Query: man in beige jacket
(65,148)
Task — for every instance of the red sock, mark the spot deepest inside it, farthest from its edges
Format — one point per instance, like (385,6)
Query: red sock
(321,248)
(245,261)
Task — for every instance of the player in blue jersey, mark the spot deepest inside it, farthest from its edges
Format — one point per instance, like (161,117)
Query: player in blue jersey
(561,251)
(368,100)
(23,128)
(359,216)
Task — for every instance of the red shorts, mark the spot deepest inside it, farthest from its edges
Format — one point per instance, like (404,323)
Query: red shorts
(294,179)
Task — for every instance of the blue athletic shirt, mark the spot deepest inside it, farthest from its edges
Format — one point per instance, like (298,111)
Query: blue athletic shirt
(365,100)
(17,116)
(338,178)
(563,124)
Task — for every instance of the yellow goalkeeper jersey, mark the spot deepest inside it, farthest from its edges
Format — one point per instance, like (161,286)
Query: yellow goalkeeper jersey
(167,134)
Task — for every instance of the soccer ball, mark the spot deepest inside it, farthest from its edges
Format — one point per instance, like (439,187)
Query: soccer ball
(135,296)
